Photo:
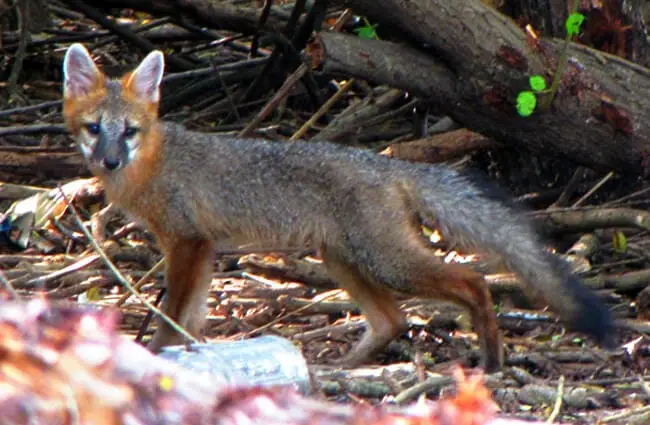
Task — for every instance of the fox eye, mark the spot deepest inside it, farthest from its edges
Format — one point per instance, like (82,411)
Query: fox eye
(130,131)
(93,128)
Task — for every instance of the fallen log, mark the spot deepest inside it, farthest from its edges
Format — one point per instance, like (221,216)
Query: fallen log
(600,117)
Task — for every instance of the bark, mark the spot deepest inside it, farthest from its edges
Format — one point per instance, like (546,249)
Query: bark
(600,118)
(440,147)
(47,165)
(397,64)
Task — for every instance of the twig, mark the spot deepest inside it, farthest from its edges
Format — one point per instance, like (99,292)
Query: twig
(430,384)
(12,82)
(558,401)
(118,275)
(79,288)
(229,95)
(291,313)
(141,282)
(208,71)
(30,108)
(147,319)
(32,128)
(569,188)
(322,110)
(323,332)
(644,410)
(283,92)
(139,29)
(622,199)
(126,33)
(8,286)
(594,189)
(264,16)
(84,262)
(259,279)
(343,18)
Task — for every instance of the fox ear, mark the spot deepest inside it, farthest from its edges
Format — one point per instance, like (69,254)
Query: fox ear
(145,80)
(80,74)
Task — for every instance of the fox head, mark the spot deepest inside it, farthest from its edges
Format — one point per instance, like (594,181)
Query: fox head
(110,118)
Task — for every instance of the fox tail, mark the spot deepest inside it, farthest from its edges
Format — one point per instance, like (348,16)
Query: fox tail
(476,214)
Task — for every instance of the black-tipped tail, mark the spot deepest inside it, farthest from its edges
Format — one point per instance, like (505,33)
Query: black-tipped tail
(469,213)
(593,317)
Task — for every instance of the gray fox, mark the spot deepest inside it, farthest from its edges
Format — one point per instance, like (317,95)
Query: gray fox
(361,210)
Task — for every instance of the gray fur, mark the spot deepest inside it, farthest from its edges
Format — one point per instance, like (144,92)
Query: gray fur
(296,193)
(362,210)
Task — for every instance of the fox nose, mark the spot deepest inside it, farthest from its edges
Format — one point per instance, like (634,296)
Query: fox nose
(111,163)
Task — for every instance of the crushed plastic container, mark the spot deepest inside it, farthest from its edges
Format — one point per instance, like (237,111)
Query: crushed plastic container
(264,361)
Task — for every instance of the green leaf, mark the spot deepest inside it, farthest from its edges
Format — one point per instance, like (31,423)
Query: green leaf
(368,32)
(537,83)
(573,23)
(526,102)
(619,242)
(93,294)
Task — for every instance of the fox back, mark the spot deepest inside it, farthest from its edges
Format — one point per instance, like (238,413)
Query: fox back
(207,185)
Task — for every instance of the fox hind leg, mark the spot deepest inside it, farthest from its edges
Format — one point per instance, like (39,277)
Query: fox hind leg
(430,279)
(406,264)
